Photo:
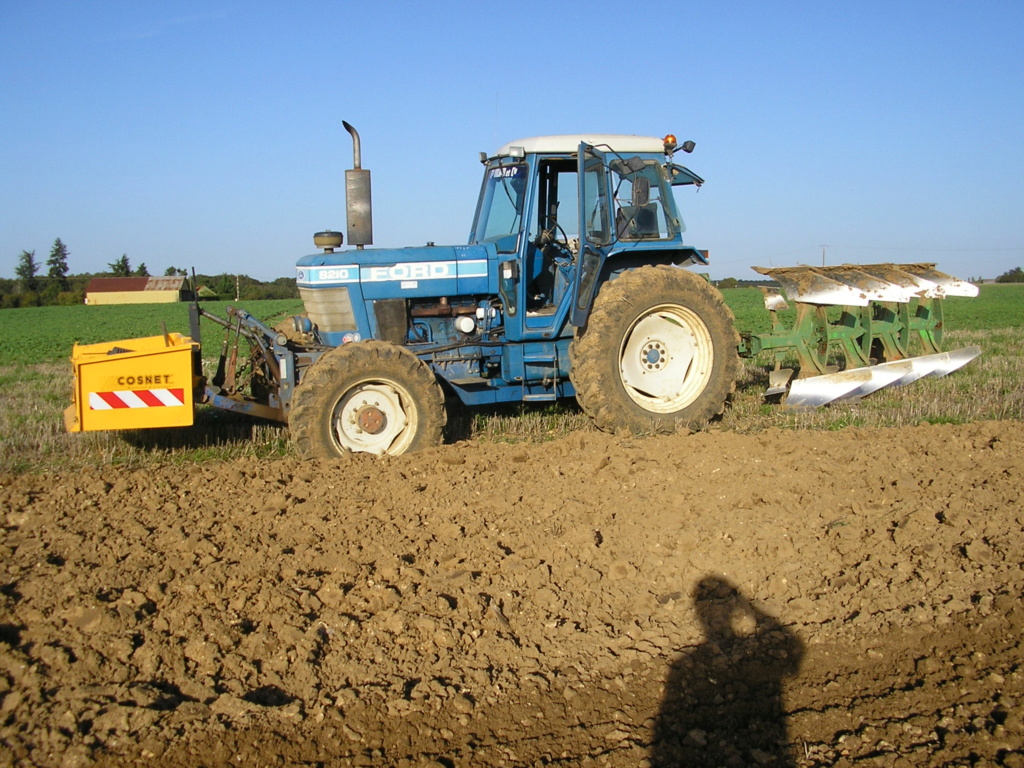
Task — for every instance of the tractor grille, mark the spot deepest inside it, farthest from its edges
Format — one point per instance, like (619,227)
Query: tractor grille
(330,309)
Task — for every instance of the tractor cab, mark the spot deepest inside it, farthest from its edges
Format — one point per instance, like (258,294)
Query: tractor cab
(556,208)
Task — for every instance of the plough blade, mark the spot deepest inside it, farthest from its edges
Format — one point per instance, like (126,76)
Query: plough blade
(958,358)
(856,285)
(854,383)
(946,285)
(778,380)
(812,286)
(816,391)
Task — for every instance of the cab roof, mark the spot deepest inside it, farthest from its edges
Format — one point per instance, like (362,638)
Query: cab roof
(570,143)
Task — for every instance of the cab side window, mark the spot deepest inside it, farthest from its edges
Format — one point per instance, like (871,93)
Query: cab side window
(639,207)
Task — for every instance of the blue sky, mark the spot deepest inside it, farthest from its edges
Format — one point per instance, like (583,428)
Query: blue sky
(208,134)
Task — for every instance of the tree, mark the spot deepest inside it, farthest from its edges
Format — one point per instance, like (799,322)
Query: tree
(141,271)
(175,272)
(121,267)
(1015,275)
(58,263)
(27,269)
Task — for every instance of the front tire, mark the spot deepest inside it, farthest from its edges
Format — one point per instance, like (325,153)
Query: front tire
(658,353)
(366,397)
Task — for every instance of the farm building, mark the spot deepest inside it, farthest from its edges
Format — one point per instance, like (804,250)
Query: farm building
(137,290)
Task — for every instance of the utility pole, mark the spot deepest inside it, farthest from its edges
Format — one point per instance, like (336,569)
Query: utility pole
(823,247)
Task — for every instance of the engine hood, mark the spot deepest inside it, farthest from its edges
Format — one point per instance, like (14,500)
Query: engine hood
(431,270)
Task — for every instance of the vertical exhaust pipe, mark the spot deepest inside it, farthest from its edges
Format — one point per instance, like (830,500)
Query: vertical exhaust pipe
(358,208)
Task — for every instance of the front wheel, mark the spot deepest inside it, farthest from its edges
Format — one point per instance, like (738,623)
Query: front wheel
(371,397)
(658,353)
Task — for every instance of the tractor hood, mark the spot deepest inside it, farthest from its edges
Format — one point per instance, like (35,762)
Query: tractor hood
(388,273)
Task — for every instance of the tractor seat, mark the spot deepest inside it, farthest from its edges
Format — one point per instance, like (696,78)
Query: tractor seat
(638,222)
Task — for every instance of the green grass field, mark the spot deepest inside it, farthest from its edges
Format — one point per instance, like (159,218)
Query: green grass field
(35,384)
(997,306)
(46,334)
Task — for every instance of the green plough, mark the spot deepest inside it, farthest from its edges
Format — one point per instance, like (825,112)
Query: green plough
(884,319)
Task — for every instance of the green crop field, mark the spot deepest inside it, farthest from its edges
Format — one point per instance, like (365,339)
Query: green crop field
(35,386)
(997,306)
(46,334)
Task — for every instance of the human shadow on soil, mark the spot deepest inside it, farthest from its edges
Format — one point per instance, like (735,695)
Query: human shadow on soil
(723,699)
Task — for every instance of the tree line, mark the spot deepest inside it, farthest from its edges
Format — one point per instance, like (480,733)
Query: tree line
(32,287)
(1015,275)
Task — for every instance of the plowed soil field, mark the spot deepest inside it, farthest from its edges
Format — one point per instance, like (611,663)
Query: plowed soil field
(846,598)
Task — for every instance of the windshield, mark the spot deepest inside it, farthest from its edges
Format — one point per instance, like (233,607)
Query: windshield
(499,217)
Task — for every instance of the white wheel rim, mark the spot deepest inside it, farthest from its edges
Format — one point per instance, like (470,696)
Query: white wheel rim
(374,417)
(665,359)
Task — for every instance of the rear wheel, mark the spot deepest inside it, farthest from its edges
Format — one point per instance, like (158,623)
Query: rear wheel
(658,353)
(370,397)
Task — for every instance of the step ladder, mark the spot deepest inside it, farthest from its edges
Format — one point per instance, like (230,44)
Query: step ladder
(547,390)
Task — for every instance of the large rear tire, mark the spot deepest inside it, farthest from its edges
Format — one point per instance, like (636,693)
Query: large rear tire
(658,353)
(371,397)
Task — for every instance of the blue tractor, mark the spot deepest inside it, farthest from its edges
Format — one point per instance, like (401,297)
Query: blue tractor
(571,284)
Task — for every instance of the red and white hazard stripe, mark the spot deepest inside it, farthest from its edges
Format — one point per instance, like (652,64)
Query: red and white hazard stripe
(136,398)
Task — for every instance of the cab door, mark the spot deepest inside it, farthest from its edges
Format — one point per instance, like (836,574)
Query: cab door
(595,211)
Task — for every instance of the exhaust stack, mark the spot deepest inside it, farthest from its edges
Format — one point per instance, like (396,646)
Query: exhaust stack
(358,208)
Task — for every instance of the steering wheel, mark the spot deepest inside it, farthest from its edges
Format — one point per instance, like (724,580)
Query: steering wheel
(548,237)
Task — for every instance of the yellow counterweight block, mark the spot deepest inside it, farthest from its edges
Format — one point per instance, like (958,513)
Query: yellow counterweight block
(133,384)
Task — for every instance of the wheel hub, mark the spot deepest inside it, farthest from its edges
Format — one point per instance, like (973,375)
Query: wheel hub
(654,356)
(371,419)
